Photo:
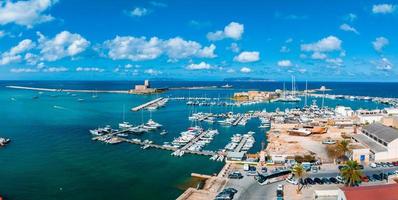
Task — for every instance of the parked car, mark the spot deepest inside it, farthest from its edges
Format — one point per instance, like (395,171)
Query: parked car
(279,192)
(376,176)
(372,165)
(226,194)
(340,179)
(318,181)
(333,180)
(326,180)
(235,175)
(364,179)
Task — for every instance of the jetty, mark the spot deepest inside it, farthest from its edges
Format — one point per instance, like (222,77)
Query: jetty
(240,145)
(66,90)
(237,120)
(153,103)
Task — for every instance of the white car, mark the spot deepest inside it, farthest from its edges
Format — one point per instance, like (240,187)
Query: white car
(340,179)
(373,165)
(292,181)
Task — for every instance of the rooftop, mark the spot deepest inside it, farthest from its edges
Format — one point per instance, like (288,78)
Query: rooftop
(370,143)
(377,192)
(385,133)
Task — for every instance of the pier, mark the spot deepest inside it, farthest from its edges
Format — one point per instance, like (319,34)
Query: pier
(193,141)
(147,104)
(240,145)
(237,120)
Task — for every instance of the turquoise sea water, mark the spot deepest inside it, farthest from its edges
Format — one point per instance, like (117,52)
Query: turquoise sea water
(52,156)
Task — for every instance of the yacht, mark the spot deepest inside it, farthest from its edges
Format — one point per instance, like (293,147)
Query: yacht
(125,125)
(152,123)
(226,86)
(101,131)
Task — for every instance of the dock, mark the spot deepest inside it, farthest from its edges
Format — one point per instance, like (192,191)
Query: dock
(147,104)
(237,121)
(240,145)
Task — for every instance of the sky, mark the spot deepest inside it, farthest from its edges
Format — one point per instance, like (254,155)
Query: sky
(335,40)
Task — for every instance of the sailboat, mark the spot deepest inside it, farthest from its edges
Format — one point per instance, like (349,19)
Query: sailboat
(95,95)
(292,96)
(124,125)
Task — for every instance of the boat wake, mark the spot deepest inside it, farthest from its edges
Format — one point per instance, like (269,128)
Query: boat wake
(60,107)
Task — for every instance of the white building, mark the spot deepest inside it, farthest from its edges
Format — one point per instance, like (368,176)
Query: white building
(381,140)
(369,116)
(344,111)
(391,111)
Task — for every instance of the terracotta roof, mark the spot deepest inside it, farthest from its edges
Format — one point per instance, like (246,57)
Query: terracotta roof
(376,192)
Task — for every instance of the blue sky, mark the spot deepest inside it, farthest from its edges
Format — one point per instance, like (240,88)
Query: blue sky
(347,40)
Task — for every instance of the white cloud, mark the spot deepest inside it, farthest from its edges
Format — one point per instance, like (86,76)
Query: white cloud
(350,17)
(247,56)
(139,12)
(13,55)
(25,13)
(348,28)
(233,30)
(158,4)
(152,72)
(383,8)
(200,66)
(245,70)
(335,61)
(23,70)
(284,49)
(139,49)
(178,48)
(380,43)
(89,69)
(384,64)
(135,49)
(330,43)
(318,56)
(230,71)
(64,44)
(55,69)
(285,63)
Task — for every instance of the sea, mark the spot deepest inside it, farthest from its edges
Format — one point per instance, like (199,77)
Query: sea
(52,156)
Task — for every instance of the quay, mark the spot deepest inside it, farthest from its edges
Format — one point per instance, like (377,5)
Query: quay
(66,90)
(148,104)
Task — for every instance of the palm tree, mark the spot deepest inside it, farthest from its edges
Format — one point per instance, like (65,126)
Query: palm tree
(342,148)
(299,172)
(351,173)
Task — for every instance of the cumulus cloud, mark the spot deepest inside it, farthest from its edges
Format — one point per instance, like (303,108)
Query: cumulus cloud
(318,56)
(200,66)
(140,49)
(245,70)
(139,12)
(383,8)
(13,55)
(89,69)
(64,44)
(247,56)
(330,43)
(348,28)
(285,63)
(380,43)
(25,13)
(233,30)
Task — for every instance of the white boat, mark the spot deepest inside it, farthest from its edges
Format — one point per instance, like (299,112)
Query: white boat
(226,86)
(164,132)
(299,131)
(125,125)
(152,123)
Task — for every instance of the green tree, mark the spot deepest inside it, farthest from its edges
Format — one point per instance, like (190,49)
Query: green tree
(299,172)
(342,148)
(351,173)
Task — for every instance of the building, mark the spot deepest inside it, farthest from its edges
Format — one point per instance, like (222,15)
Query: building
(374,192)
(344,111)
(381,140)
(391,111)
(369,116)
(142,87)
(390,121)
(254,96)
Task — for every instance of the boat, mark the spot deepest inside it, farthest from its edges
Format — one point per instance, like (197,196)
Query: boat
(145,146)
(152,123)
(164,132)
(80,100)
(214,157)
(122,134)
(4,141)
(226,86)
(299,131)
(101,131)
(125,125)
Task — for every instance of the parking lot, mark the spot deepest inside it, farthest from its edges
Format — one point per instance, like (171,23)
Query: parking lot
(248,188)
